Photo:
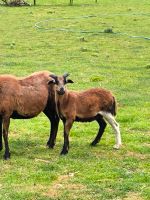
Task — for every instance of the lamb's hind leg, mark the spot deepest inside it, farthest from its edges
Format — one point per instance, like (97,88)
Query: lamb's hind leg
(102,126)
(111,120)
(6,122)
(1,142)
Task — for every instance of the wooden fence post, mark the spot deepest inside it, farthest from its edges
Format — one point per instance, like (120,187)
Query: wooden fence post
(71,2)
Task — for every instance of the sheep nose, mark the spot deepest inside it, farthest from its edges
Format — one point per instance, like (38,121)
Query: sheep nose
(61,91)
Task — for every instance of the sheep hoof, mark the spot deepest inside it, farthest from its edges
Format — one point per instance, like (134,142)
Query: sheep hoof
(64,152)
(94,143)
(7,156)
(50,146)
(117,146)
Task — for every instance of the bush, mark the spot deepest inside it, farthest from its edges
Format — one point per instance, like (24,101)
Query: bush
(15,3)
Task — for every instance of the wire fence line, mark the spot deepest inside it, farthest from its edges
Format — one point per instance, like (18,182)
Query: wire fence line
(39,25)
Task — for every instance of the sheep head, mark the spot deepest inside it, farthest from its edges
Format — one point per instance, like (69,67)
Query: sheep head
(60,82)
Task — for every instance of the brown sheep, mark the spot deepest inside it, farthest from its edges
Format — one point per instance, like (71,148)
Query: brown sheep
(93,104)
(24,98)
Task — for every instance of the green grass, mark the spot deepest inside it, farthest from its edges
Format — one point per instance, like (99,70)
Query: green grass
(115,62)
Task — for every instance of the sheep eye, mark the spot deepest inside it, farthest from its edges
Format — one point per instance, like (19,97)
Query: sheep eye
(56,82)
(65,81)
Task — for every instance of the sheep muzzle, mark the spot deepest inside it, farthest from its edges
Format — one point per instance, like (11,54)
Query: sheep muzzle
(61,91)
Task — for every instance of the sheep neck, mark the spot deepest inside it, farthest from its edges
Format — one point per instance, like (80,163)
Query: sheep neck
(61,100)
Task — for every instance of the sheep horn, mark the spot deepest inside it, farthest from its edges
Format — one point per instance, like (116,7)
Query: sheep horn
(66,75)
(53,76)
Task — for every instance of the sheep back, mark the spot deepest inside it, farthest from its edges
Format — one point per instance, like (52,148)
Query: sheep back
(26,96)
(88,103)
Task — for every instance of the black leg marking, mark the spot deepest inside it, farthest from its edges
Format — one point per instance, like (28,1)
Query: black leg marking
(53,132)
(102,127)
(67,126)
(6,122)
(1,142)
(51,113)
(66,144)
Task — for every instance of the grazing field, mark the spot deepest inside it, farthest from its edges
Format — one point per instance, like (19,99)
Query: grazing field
(61,38)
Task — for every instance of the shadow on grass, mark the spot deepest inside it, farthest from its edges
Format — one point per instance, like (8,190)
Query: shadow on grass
(27,148)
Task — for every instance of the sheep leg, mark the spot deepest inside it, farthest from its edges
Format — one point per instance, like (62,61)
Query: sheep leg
(67,127)
(111,120)
(53,133)
(1,142)
(6,122)
(102,126)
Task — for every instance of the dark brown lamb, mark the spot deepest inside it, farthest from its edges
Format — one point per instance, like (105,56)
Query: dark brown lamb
(93,104)
(24,98)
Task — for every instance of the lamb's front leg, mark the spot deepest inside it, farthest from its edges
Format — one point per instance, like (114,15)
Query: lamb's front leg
(67,126)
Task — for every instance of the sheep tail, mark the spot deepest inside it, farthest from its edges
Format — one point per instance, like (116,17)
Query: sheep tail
(114,107)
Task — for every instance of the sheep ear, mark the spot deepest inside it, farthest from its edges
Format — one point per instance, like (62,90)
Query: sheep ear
(69,81)
(51,81)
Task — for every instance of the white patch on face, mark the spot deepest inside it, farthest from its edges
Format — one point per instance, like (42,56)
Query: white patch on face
(111,120)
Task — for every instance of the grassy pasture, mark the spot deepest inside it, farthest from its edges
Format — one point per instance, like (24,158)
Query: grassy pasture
(116,62)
